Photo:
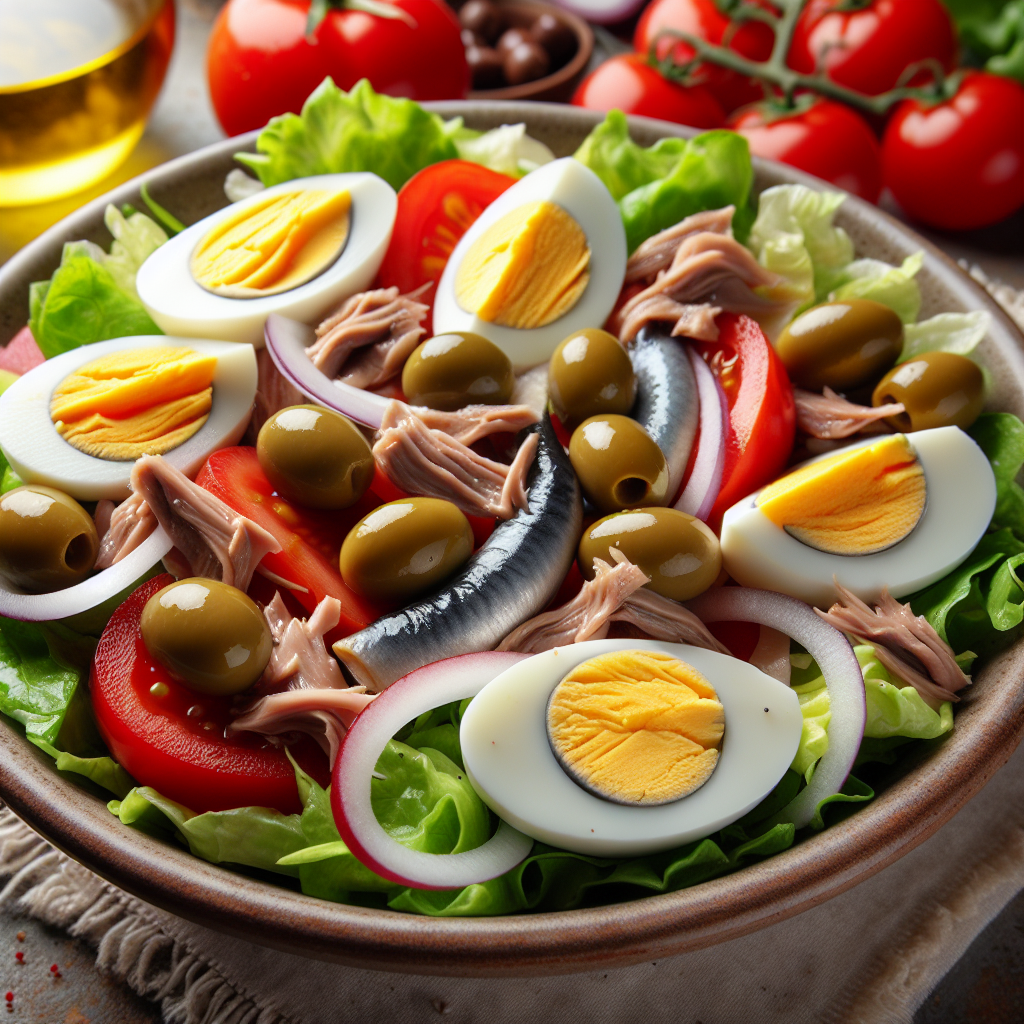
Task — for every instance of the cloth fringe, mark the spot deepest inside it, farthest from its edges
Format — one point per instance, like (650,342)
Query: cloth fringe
(130,944)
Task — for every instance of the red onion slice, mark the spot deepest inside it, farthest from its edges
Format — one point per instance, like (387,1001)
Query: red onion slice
(89,593)
(603,12)
(287,341)
(429,687)
(838,664)
(701,490)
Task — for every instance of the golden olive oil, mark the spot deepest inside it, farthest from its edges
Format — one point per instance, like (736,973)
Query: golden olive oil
(77,81)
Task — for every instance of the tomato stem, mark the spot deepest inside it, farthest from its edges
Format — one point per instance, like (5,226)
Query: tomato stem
(776,71)
(319,9)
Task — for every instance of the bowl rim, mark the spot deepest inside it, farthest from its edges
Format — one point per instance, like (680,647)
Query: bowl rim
(821,866)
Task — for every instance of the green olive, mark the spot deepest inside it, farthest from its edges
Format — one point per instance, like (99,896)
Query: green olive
(405,548)
(679,553)
(843,345)
(618,463)
(590,374)
(47,540)
(209,636)
(457,369)
(937,389)
(315,457)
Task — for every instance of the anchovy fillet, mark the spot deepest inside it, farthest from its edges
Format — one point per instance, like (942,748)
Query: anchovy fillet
(511,578)
(666,397)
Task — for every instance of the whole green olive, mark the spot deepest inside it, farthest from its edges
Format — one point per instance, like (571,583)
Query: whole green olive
(211,637)
(590,374)
(315,457)
(47,540)
(937,389)
(618,463)
(451,371)
(843,345)
(405,548)
(679,553)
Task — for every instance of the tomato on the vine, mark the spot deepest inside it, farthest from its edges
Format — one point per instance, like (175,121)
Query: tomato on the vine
(703,19)
(628,83)
(868,47)
(435,209)
(959,164)
(762,416)
(168,737)
(826,139)
(260,63)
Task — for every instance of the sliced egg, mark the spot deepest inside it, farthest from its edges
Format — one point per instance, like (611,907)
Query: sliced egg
(654,798)
(901,512)
(79,420)
(297,249)
(545,259)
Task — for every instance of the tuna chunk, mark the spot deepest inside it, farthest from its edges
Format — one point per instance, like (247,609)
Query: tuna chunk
(657,252)
(475,422)
(122,528)
(829,416)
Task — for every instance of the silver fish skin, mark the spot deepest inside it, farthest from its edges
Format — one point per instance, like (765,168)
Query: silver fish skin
(666,396)
(510,579)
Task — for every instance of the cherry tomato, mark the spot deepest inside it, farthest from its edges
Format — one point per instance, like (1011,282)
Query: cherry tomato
(703,19)
(259,62)
(828,140)
(762,417)
(628,83)
(311,539)
(167,737)
(959,164)
(435,209)
(868,48)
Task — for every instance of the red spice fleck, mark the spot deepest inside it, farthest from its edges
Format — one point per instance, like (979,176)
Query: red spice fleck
(54,969)
(20,936)
(20,957)
(9,997)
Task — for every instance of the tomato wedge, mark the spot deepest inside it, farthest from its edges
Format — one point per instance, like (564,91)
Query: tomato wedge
(435,209)
(311,539)
(172,739)
(762,416)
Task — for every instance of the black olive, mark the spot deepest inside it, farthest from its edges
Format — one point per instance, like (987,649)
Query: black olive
(510,39)
(483,18)
(526,63)
(556,37)
(486,67)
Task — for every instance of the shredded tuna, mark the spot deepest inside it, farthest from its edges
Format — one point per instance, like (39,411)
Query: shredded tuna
(274,392)
(300,656)
(128,525)
(432,463)
(905,643)
(657,252)
(691,319)
(215,540)
(771,655)
(323,714)
(475,422)
(614,595)
(828,416)
(383,324)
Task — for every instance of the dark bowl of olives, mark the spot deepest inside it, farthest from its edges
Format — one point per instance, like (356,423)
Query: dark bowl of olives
(524,49)
(919,794)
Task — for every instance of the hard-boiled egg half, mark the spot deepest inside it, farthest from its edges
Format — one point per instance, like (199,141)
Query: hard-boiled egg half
(899,511)
(297,249)
(545,259)
(79,420)
(619,748)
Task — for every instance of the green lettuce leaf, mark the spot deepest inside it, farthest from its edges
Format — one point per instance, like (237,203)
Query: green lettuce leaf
(136,237)
(507,150)
(959,333)
(340,131)
(795,237)
(1000,435)
(992,32)
(894,287)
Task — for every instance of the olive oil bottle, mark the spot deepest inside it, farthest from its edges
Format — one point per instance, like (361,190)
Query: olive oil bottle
(77,81)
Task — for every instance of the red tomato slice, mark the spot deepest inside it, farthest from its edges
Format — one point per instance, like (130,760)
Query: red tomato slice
(762,416)
(311,539)
(173,740)
(435,209)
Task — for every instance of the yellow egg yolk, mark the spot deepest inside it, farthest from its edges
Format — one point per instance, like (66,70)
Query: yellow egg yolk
(854,503)
(636,727)
(273,245)
(139,402)
(527,269)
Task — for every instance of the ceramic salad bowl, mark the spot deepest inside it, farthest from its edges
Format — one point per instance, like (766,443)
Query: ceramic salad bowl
(922,790)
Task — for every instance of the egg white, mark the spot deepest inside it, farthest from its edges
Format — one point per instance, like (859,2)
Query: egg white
(960,497)
(181,306)
(582,194)
(40,455)
(511,765)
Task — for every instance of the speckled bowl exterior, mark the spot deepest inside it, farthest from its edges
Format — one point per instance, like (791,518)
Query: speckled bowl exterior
(923,792)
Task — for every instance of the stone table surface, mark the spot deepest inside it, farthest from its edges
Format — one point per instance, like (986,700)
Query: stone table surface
(985,987)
